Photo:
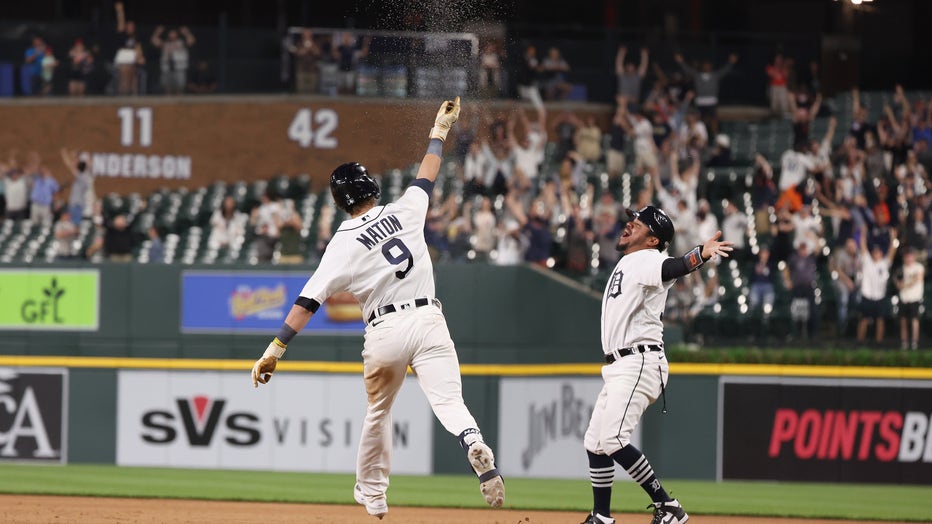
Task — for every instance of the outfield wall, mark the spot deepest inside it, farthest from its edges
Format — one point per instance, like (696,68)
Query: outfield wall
(149,364)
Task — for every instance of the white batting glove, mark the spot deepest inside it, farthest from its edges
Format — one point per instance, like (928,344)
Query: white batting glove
(264,367)
(446,117)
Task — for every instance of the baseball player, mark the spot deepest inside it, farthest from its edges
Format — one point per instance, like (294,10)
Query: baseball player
(636,370)
(380,256)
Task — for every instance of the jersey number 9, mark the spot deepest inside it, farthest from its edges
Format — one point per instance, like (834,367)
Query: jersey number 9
(404,254)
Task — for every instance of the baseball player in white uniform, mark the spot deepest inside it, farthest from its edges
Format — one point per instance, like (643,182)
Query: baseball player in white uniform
(380,256)
(636,369)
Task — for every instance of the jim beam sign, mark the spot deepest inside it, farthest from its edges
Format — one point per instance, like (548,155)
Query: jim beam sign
(33,415)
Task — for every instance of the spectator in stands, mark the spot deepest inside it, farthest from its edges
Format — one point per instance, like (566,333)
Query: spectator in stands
(526,77)
(707,82)
(324,228)
(156,246)
(777,73)
(483,225)
(808,228)
(498,169)
(782,233)
(474,171)
(588,140)
(553,70)
(129,58)
(605,229)
(615,156)
(645,150)
(734,229)
(860,126)
(175,57)
(916,235)
(693,133)
(845,265)
(721,155)
(203,81)
(17,195)
(795,168)
(227,225)
(802,118)
(49,63)
(307,54)
(706,221)
(874,277)
(349,52)
(80,202)
(267,220)
(630,77)
(118,240)
(44,187)
(565,127)
(761,280)
(490,70)
(81,65)
(66,235)
(528,153)
(800,278)
(535,225)
(911,286)
(290,234)
(32,65)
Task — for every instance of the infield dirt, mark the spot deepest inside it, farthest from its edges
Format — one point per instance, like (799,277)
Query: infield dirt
(32,509)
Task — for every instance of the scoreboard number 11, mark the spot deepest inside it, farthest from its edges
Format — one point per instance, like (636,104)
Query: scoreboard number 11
(314,129)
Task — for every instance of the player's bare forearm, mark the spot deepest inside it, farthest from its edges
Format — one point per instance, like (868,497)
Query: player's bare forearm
(430,166)
(297,318)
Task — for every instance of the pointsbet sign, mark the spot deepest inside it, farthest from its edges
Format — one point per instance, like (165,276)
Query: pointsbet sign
(838,430)
(51,299)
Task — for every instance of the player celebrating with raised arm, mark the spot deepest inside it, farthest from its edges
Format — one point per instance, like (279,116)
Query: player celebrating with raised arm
(380,256)
(636,370)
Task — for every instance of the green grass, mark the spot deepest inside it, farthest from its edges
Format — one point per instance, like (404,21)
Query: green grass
(876,502)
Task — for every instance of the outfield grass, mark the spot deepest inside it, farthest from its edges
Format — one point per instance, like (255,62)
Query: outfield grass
(875,502)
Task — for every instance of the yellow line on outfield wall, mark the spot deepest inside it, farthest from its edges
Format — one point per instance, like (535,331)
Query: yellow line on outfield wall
(683,368)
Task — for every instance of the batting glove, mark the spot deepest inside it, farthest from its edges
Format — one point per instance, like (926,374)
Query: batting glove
(264,367)
(446,117)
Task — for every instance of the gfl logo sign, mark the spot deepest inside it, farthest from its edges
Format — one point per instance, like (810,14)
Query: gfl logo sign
(200,418)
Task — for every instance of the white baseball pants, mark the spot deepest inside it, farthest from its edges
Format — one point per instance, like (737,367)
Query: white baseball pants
(417,337)
(632,383)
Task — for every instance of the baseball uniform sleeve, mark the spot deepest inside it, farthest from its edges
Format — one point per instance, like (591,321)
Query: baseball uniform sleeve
(330,277)
(416,199)
(652,270)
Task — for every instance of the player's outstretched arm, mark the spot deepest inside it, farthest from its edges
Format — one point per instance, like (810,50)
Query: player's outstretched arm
(446,116)
(676,267)
(297,318)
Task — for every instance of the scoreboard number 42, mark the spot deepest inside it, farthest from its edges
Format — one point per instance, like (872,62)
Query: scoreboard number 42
(314,129)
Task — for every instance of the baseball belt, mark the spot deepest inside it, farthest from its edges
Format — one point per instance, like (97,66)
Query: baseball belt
(615,355)
(391,308)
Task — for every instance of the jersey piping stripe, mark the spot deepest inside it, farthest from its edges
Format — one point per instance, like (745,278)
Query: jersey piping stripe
(514,370)
(366,223)
(625,414)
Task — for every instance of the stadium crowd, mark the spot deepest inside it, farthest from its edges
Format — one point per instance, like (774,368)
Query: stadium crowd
(850,207)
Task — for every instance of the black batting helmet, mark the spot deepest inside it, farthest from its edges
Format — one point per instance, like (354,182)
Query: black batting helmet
(657,222)
(351,184)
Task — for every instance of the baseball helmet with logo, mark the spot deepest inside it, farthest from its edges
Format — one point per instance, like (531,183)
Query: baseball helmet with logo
(351,184)
(657,222)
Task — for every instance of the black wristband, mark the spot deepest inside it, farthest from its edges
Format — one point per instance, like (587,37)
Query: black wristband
(285,334)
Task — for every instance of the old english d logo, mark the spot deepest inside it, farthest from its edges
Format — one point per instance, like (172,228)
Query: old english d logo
(614,287)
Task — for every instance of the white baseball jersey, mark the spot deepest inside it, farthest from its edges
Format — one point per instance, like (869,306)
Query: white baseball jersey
(874,277)
(634,300)
(380,257)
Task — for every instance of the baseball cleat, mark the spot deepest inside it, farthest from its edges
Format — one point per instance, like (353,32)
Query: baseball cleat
(490,480)
(668,513)
(375,506)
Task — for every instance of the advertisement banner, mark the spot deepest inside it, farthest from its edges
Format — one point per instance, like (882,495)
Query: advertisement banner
(300,422)
(213,302)
(542,422)
(829,430)
(59,299)
(33,415)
